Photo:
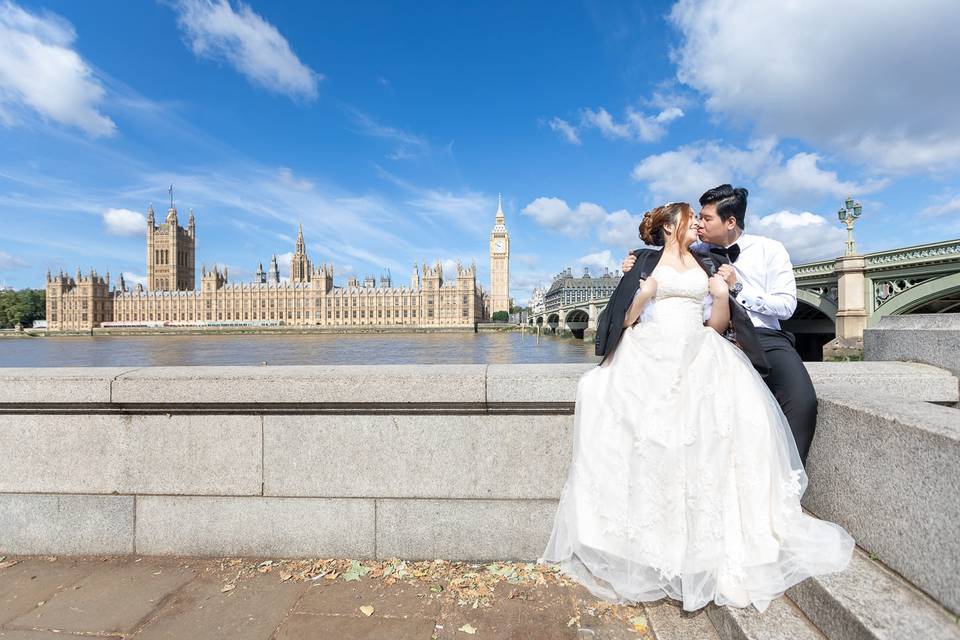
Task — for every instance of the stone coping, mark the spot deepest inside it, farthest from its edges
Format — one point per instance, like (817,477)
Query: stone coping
(387,388)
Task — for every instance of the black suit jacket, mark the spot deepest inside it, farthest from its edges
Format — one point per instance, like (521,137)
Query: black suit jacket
(610,323)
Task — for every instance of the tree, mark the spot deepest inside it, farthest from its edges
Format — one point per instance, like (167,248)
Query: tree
(500,316)
(22,307)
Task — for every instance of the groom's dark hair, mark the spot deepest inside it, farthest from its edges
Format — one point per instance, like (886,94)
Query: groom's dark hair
(731,203)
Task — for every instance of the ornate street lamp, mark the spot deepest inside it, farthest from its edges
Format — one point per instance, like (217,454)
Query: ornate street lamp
(848,214)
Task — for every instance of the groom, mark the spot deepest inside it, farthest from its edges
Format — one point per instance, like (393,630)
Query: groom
(760,276)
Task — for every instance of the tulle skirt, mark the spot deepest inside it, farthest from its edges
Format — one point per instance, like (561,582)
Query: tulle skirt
(685,480)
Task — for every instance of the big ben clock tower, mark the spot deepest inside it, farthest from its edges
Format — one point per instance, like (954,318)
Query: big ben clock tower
(499,264)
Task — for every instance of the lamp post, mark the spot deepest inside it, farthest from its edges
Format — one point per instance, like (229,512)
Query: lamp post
(848,214)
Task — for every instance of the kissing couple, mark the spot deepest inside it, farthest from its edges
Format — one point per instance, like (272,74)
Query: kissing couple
(690,438)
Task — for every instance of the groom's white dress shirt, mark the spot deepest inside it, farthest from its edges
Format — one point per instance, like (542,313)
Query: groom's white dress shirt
(769,292)
(764,269)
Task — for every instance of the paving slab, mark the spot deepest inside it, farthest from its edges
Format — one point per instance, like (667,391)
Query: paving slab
(304,626)
(398,600)
(516,611)
(668,621)
(251,610)
(35,580)
(48,635)
(114,598)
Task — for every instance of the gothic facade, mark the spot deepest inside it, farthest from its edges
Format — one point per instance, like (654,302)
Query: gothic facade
(308,297)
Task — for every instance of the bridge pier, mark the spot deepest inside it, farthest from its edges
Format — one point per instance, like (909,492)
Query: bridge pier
(851,297)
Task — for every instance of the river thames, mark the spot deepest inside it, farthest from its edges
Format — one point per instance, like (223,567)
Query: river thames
(187,350)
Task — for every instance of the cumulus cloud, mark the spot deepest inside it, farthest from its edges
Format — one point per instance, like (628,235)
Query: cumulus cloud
(240,37)
(686,172)
(618,229)
(556,214)
(877,85)
(599,261)
(807,236)
(802,175)
(40,73)
(124,222)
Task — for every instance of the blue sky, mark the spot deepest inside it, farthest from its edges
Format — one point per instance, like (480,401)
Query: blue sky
(387,129)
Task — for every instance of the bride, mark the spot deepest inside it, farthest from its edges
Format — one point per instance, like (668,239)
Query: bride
(685,479)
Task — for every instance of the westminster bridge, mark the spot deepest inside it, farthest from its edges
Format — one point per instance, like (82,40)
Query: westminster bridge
(837,299)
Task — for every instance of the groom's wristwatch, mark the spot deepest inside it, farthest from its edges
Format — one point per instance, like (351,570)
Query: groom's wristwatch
(737,288)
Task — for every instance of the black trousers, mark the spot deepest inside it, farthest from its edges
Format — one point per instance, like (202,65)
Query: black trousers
(790,384)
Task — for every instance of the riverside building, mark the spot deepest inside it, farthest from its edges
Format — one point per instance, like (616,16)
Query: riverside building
(308,298)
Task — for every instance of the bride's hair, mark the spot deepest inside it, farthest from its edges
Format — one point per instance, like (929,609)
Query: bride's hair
(677,214)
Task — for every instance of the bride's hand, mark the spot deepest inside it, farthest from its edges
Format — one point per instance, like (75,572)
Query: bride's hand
(648,287)
(718,286)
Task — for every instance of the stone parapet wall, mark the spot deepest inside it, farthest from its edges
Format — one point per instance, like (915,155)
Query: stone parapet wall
(452,461)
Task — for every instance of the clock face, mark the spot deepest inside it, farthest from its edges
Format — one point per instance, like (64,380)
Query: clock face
(498,246)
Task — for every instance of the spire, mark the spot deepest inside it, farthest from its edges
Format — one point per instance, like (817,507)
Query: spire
(150,213)
(499,226)
(301,248)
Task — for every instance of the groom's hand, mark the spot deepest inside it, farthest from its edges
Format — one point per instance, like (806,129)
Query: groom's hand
(628,263)
(729,274)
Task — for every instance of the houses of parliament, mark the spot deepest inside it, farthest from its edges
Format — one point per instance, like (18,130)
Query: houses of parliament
(308,297)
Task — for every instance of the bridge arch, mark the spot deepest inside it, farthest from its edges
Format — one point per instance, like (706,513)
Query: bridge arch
(917,296)
(822,304)
(553,321)
(576,322)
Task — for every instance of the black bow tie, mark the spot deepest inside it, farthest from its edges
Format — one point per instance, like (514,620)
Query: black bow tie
(732,252)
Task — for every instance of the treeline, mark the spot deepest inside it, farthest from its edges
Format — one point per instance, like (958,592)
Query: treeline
(22,306)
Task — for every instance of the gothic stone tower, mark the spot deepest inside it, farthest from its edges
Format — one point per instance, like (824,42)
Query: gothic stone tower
(300,267)
(171,252)
(499,264)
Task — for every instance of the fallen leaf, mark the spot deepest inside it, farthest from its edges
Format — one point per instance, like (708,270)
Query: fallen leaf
(639,623)
(229,587)
(467,628)
(366,610)
(571,622)
(355,571)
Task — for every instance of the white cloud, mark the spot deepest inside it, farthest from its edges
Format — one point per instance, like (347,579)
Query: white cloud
(470,209)
(41,73)
(599,261)
(801,175)
(942,209)
(8,261)
(133,279)
(637,126)
(806,235)
(124,222)
(556,214)
(685,173)
(875,83)
(621,229)
(688,171)
(289,180)
(251,45)
(565,129)
(409,145)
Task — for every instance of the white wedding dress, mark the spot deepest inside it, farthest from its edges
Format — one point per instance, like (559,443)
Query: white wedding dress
(685,479)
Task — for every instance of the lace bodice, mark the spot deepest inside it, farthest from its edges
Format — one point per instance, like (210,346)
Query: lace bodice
(680,296)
